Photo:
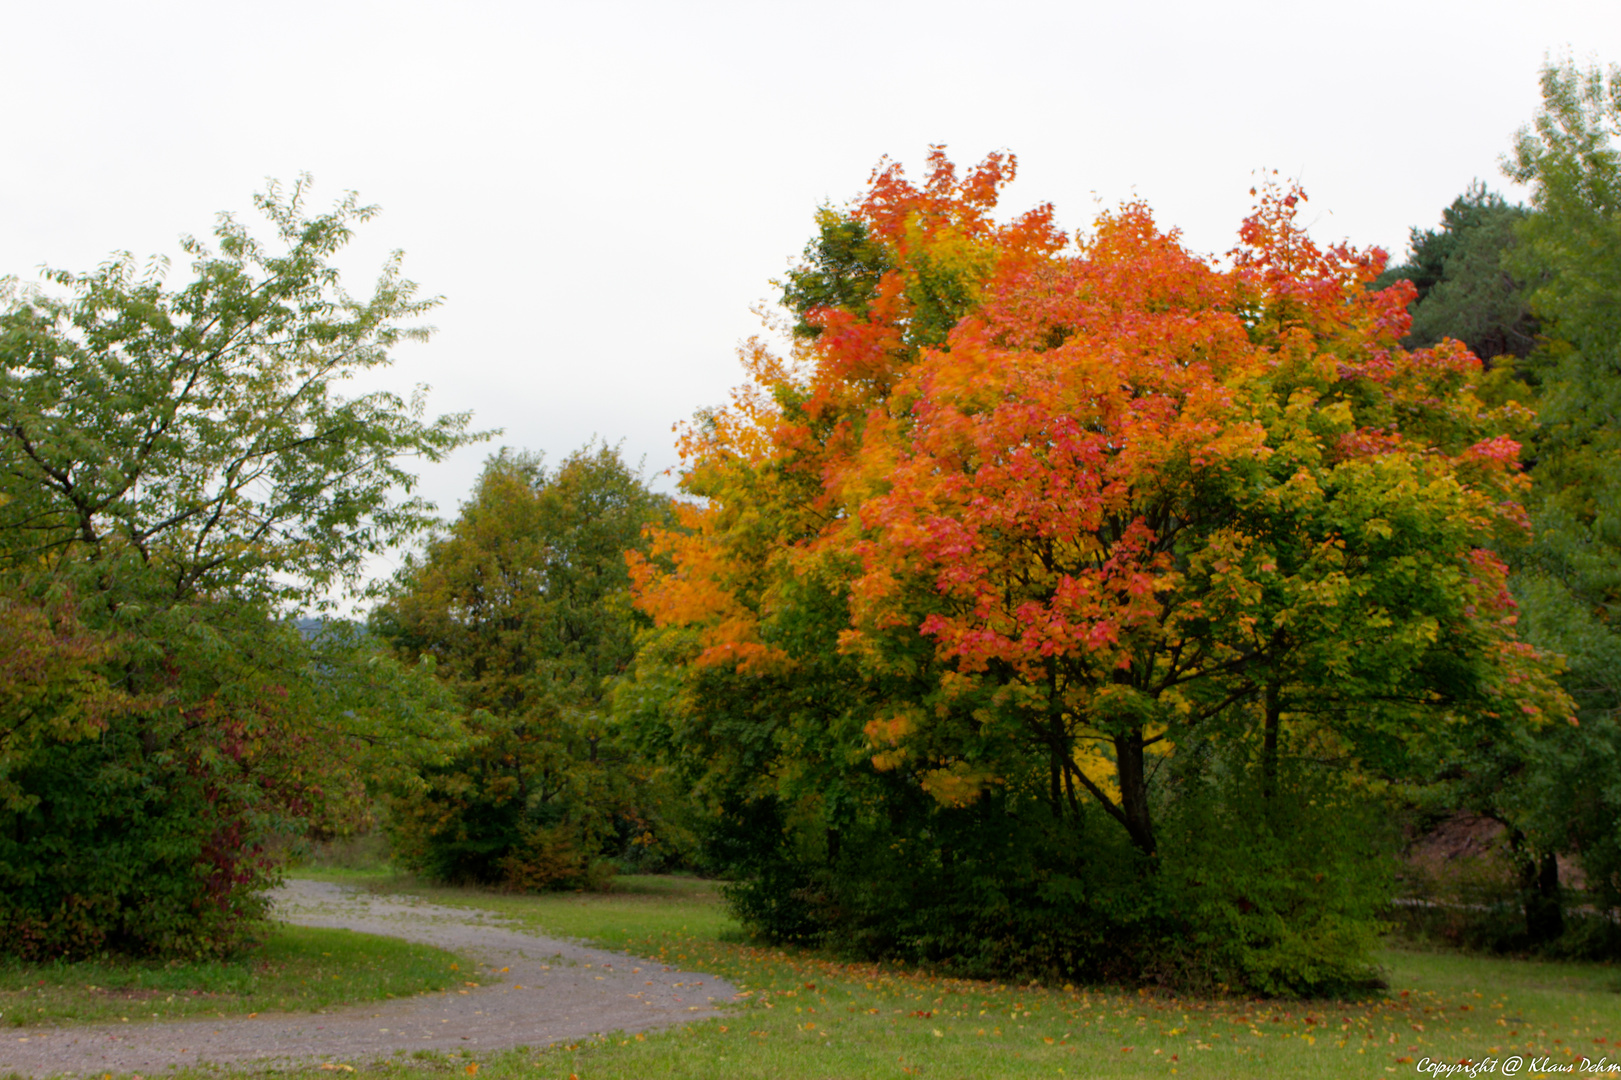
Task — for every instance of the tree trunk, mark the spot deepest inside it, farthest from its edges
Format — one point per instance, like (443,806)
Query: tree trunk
(1069,792)
(1059,749)
(1129,759)
(1055,796)
(1544,913)
(1269,742)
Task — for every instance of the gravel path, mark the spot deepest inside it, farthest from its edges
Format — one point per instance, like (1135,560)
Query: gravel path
(555,991)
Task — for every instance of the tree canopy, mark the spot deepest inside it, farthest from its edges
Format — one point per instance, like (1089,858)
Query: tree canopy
(523,607)
(1074,517)
(178,474)
(1564,798)
(1469,286)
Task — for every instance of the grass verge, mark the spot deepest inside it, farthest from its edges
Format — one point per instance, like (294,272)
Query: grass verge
(293,968)
(811,1018)
(805,1017)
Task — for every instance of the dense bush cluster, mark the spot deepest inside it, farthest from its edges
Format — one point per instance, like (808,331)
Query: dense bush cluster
(1275,907)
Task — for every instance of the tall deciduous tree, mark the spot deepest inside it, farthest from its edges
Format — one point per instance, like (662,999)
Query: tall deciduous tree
(1573,244)
(1137,492)
(1082,521)
(178,474)
(1571,572)
(523,605)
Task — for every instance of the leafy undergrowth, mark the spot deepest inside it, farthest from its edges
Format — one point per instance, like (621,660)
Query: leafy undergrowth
(804,1017)
(294,968)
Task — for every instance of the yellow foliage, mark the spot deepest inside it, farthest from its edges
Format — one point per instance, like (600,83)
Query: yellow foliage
(958,784)
(1097,765)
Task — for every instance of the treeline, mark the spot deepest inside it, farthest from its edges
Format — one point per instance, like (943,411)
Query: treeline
(1059,603)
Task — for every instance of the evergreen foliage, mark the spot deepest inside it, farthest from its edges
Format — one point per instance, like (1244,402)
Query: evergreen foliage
(1468,288)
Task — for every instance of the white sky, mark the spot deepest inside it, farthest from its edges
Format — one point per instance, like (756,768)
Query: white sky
(600,190)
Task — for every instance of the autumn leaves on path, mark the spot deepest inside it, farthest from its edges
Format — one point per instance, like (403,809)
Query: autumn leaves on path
(547,991)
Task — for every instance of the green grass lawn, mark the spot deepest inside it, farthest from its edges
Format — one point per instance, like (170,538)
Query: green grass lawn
(640,907)
(293,969)
(807,1017)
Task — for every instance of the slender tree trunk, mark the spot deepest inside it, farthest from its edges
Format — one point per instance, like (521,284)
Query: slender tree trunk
(1539,890)
(1269,741)
(1058,745)
(1069,791)
(1544,913)
(517,771)
(1133,774)
(1055,793)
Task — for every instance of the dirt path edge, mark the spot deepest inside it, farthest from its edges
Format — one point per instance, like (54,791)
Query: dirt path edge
(554,991)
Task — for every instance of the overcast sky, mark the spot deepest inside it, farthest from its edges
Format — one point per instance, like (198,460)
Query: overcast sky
(601,190)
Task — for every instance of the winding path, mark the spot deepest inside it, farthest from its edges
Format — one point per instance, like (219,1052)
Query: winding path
(555,991)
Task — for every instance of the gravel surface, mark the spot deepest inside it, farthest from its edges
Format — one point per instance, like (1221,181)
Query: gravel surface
(556,991)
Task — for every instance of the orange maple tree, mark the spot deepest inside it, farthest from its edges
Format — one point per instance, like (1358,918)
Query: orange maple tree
(1082,502)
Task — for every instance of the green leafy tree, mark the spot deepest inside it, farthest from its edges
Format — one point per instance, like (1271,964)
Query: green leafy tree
(177,476)
(1570,580)
(842,268)
(1467,286)
(523,606)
